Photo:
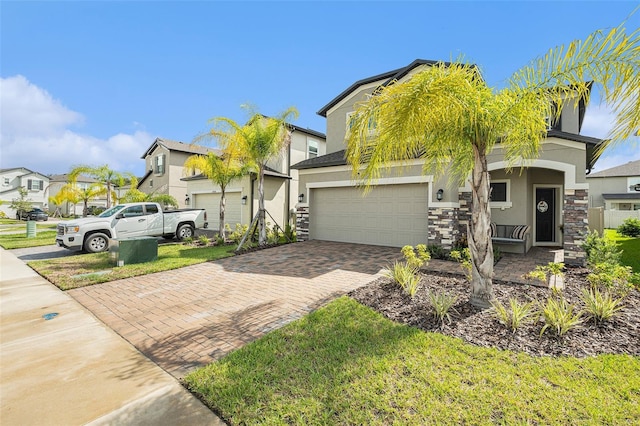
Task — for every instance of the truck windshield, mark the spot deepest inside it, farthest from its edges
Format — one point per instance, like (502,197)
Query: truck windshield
(110,212)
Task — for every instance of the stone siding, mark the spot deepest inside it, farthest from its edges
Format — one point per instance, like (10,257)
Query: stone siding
(576,225)
(302,223)
(443,227)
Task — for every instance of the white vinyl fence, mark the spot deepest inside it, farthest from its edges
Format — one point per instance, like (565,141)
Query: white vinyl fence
(614,218)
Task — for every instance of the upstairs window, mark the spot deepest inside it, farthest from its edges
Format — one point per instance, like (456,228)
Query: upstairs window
(312,149)
(35,185)
(633,184)
(159,166)
(6,181)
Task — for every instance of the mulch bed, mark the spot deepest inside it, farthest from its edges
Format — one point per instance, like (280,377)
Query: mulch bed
(619,336)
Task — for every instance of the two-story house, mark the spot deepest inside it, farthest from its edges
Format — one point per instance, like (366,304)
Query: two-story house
(164,165)
(408,206)
(281,185)
(11,180)
(617,189)
(82,183)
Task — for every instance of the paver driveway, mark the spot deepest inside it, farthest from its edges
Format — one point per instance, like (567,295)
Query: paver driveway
(188,317)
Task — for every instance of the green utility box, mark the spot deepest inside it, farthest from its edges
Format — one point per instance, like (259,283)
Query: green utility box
(31,228)
(126,251)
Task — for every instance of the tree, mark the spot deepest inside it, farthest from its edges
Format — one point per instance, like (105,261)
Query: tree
(258,141)
(221,170)
(22,203)
(69,194)
(448,116)
(103,174)
(134,195)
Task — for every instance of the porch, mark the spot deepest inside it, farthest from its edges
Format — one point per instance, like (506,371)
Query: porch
(511,267)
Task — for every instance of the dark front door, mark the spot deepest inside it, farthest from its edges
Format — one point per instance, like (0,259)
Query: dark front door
(545,215)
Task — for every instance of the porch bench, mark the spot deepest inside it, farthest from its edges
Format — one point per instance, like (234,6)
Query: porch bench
(510,234)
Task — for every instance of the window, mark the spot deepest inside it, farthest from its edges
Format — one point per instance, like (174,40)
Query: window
(151,208)
(500,194)
(35,185)
(633,184)
(6,181)
(150,183)
(160,164)
(312,149)
(350,122)
(133,211)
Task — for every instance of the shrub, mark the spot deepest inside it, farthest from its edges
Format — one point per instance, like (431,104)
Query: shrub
(417,257)
(290,233)
(600,249)
(220,240)
(600,306)
(237,234)
(559,316)
(547,273)
(273,234)
(187,240)
(630,227)
(436,251)
(464,258)
(614,277)
(442,304)
(204,240)
(405,276)
(513,318)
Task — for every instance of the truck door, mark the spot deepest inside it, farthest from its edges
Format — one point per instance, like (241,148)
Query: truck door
(155,225)
(133,223)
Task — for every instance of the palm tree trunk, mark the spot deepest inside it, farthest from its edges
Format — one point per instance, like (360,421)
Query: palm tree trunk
(262,230)
(108,193)
(478,234)
(223,204)
(85,209)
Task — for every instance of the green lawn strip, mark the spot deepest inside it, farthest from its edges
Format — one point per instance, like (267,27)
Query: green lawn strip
(15,241)
(88,269)
(630,248)
(346,364)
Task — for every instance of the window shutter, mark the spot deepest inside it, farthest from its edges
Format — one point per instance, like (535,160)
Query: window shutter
(29,184)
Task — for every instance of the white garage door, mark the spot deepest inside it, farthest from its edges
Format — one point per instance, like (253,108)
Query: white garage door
(389,215)
(211,203)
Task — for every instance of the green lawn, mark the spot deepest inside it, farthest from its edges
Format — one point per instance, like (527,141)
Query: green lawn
(88,269)
(346,364)
(20,240)
(630,248)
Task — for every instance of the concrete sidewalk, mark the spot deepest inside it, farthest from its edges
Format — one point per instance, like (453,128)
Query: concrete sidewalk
(72,369)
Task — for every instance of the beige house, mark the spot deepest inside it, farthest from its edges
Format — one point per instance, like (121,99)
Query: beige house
(281,186)
(407,206)
(164,163)
(617,190)
(57,182)
(11,180)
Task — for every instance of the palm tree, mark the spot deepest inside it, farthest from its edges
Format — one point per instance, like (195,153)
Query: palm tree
(103,174)
(221,170)
(134,195)
(448,116)
(258,141)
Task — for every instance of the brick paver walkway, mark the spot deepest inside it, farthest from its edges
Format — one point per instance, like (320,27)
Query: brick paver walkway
(188,317)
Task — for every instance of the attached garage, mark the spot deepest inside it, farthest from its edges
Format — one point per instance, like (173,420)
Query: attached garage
(211,203)
(389,215)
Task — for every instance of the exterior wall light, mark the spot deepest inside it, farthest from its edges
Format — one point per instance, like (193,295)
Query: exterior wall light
(244,200)
(440,194)
(300,198)
(187,199)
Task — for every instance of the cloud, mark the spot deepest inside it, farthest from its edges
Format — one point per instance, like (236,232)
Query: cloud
(37,132)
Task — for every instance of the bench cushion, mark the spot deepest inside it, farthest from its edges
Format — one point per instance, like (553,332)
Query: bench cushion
(519,232)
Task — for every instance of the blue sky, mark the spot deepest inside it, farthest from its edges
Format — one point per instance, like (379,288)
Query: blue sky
(97,82)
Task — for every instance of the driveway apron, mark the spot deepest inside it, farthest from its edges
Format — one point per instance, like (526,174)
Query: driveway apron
(188,317)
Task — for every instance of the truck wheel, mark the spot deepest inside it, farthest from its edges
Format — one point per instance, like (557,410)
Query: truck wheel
(184,231)
(96,243)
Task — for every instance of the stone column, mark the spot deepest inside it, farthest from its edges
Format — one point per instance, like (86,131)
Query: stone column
(302,222)
(576,225)
(443,226)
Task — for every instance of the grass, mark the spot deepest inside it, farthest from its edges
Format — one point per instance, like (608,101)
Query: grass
(630,247)
(97,268)
(346,364)
(20,240)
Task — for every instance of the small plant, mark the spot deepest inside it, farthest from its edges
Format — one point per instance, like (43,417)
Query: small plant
(463,257)
(273,234)
(600,249)
(436,251)
(559,316)
(513,318)
(220,240)
(187,240)
(204,240)
(236,235)
(417,257)
(404,275)
(616,278)
(600,306)
(630,227)
(290,233)
(442,304)
(548,273)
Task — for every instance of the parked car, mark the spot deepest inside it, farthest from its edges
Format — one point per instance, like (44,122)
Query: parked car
(92,234)
(33,214)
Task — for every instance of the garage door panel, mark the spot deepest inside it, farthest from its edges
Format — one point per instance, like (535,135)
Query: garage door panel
(392,215)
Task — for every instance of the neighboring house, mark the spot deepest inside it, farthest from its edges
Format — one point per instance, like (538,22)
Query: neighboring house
(12,179)
(281,186)
(57,182)
(617,190)
(407,206)
(164,165)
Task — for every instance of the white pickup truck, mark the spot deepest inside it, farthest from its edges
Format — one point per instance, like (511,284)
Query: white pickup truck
(92,234)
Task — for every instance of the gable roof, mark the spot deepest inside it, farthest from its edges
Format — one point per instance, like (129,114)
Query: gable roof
(388,77)
(632,168)
(178,146)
